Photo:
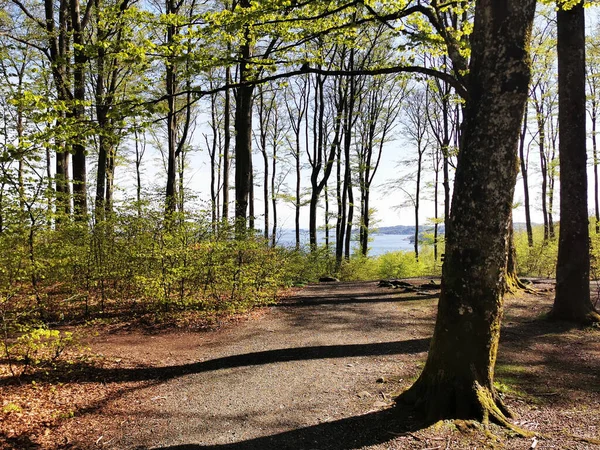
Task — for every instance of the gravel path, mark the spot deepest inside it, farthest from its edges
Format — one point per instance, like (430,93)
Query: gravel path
(318,371)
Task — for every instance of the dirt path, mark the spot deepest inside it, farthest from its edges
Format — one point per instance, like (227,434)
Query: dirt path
(314,360)
(319,372)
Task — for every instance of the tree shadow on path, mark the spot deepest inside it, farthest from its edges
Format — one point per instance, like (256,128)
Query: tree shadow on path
(388,297)
(344,434)
(243,360)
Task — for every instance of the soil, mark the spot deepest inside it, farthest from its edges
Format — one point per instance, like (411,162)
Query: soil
(317,371)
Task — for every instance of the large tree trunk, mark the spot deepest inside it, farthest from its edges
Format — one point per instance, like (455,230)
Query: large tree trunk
(243,139)
(171,89)
(59,49)
(78,112)
(572,301)
(457,381)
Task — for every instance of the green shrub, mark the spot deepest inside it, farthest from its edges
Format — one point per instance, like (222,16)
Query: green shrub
(359,268)
(539,260)
(36,347)
(398,264)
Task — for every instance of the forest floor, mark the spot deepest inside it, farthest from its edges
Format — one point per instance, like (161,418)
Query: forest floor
(317,371)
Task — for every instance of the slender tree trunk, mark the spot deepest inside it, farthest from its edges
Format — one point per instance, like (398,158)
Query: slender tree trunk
(49,188)
(417,201)
(543,165)
(458,378)
(226,145)
(340,224)
(436,207)
(101,117)
(349,124)
(348,243)
(139,151)
(264,119)
(21,166)
(595,157)
(551,181)
(181,179)
(446,185)
(320,159)
(266,198)
(297,203)
(213,150)
(572,301)
(110,178)
(251,211)
(524,174)
(273,186)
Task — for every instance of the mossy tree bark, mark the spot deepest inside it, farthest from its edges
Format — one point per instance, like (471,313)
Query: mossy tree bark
(457,381)
(572,301)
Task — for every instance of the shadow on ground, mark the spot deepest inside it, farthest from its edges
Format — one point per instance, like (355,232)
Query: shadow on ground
(248,359)
(344,434)
(341,299)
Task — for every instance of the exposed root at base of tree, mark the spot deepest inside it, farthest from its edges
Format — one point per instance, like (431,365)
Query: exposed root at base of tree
(514,284)
(479,403)
(583,318)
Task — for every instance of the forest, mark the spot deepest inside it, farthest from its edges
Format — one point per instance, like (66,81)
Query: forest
(151,153)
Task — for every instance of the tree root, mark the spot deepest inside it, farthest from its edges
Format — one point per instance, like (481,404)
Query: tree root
(589,318)
(477,403)
(514,284)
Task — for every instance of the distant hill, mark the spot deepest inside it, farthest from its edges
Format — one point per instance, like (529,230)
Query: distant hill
(407,229)
(410,229)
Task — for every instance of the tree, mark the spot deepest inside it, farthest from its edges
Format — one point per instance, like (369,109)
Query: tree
(543,97)
(320,159)
(572,301)
(524,162)
(296,103)
(415,128)
(457,381)
(593,84)
(177,129)
(442,127)
(376,122)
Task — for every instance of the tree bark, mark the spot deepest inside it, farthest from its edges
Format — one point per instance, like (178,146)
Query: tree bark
(457,381)
(572,301)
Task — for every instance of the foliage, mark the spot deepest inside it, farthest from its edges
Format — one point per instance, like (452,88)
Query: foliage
(398,264)
(38,346)
(131,265)
(539,260)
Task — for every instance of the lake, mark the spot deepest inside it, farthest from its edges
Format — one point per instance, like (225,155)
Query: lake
(378,245)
